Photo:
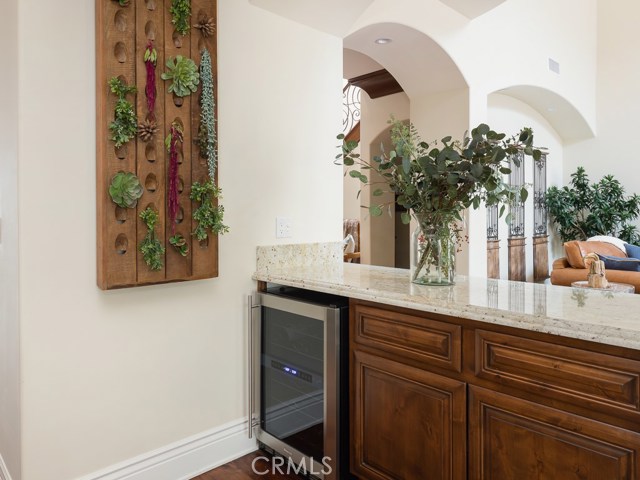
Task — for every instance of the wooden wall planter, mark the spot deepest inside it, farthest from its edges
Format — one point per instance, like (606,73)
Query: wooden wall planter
(122,36)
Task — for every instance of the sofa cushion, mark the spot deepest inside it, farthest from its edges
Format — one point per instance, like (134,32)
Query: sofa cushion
(608,239)
(575,251)
(633,251)
(621,263)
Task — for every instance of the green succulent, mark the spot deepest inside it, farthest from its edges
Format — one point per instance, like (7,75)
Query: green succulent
(125,189)
(208,215)
(150,247)
(181,12)
(125,123)
(184,75)
(180,244)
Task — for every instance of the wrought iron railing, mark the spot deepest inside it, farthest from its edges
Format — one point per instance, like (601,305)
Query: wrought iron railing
(350,107)
(540,196)
(516,209)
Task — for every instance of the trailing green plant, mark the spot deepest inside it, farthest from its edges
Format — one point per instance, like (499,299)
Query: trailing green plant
(180,244)
(184,76)
(207,133)
(125,189)
(123,3)
(582,210)
(125,124)
(440,180)
(150,247)
(181,14)
(209,216)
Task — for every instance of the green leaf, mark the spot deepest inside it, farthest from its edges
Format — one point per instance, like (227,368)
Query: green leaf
(524,194)
(446,139)
(375,210)
(377,192)
(476,170)
(406,218)
(340,136)
(406,165)
(505,170)
(452,178)
(483,129)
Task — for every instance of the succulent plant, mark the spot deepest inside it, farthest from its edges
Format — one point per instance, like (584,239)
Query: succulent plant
(180,244)
(184,75)
(125,189)
(180,13)
(125,122)
(210,217)
(150,247)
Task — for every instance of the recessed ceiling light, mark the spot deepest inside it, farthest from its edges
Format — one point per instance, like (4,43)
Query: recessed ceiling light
(383,41)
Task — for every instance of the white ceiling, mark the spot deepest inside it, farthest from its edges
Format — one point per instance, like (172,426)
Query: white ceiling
(472,8)
(418,63)
(330,16)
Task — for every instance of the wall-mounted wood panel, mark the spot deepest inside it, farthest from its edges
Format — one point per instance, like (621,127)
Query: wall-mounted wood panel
(123,32)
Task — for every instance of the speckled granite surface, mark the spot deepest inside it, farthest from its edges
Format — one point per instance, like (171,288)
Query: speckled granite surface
(298,255)
(577,313)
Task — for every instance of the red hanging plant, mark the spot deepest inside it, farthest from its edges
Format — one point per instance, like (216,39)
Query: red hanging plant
(150,61)
(173,143)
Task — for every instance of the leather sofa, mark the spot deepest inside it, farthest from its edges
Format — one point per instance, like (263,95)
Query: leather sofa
(571,267)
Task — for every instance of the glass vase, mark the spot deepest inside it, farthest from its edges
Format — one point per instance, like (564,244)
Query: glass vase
(433,254)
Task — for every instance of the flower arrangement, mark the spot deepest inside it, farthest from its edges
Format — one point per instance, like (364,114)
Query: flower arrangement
(435,182)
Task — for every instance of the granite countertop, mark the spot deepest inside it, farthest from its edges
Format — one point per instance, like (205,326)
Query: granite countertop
(599,316)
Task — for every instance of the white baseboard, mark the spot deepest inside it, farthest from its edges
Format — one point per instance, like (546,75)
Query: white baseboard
(4,471)
(185,459)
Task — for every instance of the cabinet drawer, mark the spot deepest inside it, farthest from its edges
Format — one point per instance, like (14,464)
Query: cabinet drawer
(410,336)
(581,377)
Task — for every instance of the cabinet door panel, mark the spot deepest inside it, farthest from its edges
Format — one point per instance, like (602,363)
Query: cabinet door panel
(416,337)
(406,423)
(514,438)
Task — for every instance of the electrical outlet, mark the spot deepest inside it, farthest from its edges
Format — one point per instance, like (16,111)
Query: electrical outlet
(283,227)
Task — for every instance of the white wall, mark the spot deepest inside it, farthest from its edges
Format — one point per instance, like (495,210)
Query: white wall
(508,115)
(377,242)
(437,116)
(108,376)
(510,45)
(9,320)
(613,151)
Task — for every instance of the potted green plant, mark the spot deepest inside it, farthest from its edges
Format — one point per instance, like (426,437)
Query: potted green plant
(582,210)
(435,182)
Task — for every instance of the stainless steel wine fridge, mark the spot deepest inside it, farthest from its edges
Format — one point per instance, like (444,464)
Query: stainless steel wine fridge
(298,378)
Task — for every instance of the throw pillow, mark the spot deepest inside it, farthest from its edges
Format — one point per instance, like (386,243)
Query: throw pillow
(612,240)
(621,263)
(632,250)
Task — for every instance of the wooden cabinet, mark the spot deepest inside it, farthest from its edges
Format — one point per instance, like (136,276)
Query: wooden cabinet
(438,398)
(407,421)
(514,438)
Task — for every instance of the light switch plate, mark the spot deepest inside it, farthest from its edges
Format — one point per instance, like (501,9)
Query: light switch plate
(283,227)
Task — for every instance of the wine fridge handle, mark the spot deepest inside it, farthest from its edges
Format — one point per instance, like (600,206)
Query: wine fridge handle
(250,392)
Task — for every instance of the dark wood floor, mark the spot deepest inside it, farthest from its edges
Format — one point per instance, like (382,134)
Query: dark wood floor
(241,469)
